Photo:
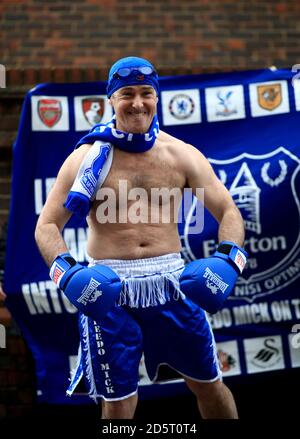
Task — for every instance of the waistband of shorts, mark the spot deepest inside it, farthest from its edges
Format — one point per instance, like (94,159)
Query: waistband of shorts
(168,263)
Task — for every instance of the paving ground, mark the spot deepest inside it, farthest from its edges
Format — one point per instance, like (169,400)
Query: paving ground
(264,402)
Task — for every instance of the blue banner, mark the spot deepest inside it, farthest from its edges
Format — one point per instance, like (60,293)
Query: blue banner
(246,123)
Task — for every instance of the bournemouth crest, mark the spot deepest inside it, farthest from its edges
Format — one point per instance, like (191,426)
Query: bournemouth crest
(93,110)
(90,111)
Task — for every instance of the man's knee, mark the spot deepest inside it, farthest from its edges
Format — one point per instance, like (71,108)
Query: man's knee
(123,409)
(203,388)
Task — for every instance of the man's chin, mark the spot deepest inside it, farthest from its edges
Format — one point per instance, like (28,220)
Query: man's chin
(138,128)
(135,125)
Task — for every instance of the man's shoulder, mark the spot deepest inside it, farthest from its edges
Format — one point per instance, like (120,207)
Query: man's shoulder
(82,149)
(176,145)
(74,160)
(172,141)
(79,153)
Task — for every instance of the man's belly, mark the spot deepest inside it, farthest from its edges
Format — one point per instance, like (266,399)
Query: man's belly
(119,241)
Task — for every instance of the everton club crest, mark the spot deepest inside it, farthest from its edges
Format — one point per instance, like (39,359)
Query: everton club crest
(265,188)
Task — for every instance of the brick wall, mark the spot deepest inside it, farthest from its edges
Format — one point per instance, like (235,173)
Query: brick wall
(17,390)
(190,33)
(73,41)
(17,378)
(10,107)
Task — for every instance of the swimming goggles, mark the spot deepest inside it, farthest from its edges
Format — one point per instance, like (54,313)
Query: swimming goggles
(123,72)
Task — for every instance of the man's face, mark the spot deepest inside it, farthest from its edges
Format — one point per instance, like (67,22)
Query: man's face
(134,107)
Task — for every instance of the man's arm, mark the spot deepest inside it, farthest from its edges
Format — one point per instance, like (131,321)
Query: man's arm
(217,198)
(54,215)
(80,284)
(209,281)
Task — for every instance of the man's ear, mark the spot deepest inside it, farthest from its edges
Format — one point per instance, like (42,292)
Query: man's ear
(110,101)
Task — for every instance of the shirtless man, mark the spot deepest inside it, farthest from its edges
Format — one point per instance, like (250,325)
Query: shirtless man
(150,317)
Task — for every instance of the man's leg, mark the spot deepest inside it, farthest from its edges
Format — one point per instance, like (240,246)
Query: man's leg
(215,400)
(123,409)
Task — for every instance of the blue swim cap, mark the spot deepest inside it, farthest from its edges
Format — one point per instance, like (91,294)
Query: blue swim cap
(131,71)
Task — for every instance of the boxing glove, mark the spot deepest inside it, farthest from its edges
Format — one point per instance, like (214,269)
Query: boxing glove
(208,282)
(92,290)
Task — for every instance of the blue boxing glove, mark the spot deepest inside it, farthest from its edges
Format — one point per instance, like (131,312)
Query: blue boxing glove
(92,290)
(208,282)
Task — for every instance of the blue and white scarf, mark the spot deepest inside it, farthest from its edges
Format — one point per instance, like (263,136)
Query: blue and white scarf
(96,164)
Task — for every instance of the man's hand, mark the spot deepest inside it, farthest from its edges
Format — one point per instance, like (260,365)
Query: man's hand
(92,290)
(208,282)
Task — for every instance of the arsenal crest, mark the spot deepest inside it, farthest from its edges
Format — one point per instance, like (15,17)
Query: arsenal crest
(93,110)
(49,111)
(269,96)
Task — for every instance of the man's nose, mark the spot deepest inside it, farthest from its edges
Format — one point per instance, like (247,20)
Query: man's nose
(137,102)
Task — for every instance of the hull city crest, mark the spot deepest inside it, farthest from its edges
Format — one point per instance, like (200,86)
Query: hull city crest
(265,188)
(49,111)
(269,96)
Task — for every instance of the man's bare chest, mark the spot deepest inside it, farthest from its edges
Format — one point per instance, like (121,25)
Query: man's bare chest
(144,171)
